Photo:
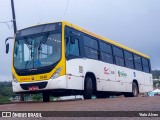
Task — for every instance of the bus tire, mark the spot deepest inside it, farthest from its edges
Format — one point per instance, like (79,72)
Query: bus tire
(46,97)
(134,92)
(88,88)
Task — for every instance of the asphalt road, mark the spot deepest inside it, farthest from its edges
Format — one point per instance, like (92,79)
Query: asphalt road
(112,104)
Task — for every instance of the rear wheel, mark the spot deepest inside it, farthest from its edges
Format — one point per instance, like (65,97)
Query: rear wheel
(46,97)
(134,92)
(88,88)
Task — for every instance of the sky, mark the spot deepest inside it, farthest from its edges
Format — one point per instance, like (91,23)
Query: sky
(134,23)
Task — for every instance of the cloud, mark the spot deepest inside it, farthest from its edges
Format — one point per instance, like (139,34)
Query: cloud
(133,23)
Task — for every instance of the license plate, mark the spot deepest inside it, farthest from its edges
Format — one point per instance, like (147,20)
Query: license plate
(32,88)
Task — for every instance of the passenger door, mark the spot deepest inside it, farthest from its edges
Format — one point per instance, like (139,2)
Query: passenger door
(73,59)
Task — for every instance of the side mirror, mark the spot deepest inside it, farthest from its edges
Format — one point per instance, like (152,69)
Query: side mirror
(7,44)
(72,40)
(7,48)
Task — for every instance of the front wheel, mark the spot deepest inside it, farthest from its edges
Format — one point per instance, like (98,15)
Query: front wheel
(88,88)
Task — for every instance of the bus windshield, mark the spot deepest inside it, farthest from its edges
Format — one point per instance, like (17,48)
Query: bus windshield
(38,50)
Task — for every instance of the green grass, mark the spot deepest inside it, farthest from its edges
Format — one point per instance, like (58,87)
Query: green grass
(4,100)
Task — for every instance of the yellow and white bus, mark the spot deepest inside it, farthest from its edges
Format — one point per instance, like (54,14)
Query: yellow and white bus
(62,59)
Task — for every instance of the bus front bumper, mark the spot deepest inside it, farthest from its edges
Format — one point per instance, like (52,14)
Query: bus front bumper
(51,84)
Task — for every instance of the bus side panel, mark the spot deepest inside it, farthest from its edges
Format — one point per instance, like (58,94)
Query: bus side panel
(106,75)
(80,66)
(148,82)
(74,71)
(122,78)
(109,77)
(148,79)
(139,76)
(130,77)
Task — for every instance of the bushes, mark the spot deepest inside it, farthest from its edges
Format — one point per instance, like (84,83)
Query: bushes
(4,100)
(6,92)
(37,97)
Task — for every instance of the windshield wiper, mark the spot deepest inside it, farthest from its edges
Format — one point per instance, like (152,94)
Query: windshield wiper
(27,43)
(44,40)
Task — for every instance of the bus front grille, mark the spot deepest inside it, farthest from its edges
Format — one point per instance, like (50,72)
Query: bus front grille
(40,85)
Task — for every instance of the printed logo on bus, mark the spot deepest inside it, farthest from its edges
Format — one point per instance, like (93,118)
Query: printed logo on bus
(25,79)
(106,71)
(122,74)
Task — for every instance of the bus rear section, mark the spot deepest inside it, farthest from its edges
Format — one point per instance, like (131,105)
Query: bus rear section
(104,68)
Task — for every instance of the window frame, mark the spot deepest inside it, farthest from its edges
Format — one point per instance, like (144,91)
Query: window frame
(144,65)
(101,42)
(105,52)
(100,52)
(94,39)
(117,56)
(127,59)
(78,48)
(138,63)
(76,34)
(93,48)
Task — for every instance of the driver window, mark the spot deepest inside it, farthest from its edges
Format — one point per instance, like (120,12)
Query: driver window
(72,48)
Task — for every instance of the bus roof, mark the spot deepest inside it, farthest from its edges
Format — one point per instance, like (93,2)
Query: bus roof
(104,39)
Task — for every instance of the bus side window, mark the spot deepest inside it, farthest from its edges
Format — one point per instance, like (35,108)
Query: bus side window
(72,48)
(67,45)
(106,52)
(118,54)
(137,62)
(128,59)
(145,63)
(90,47)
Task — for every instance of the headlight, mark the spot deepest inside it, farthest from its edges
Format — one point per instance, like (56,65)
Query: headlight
(14,79)
(56,74)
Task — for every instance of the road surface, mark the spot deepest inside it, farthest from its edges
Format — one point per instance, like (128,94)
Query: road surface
(112,104)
